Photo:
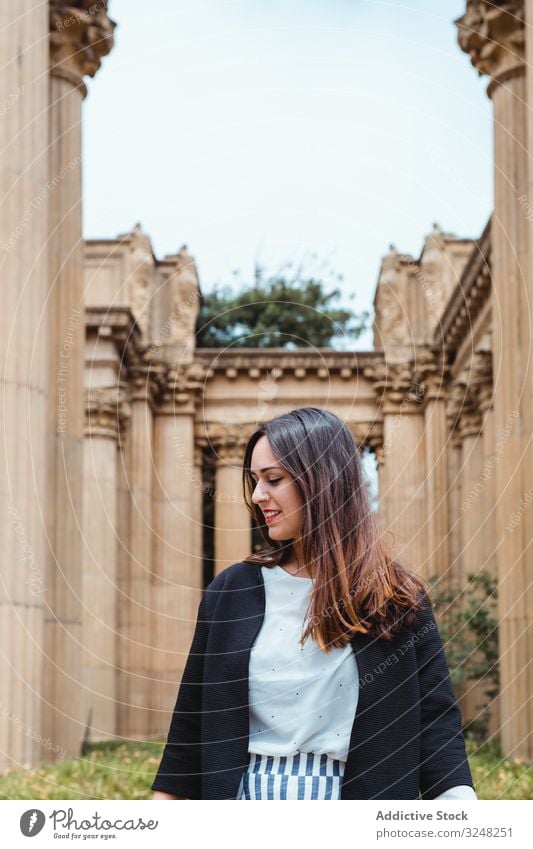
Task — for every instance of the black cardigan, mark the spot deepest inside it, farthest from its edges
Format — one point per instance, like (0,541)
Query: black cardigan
(406,738)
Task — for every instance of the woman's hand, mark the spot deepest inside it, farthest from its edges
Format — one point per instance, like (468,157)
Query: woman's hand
(158,794)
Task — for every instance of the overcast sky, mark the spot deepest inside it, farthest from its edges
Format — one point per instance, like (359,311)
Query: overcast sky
(271,129)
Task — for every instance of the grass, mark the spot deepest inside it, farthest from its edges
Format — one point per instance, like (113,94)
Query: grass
(117,770)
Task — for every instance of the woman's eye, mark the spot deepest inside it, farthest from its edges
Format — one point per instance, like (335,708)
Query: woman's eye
(274,480)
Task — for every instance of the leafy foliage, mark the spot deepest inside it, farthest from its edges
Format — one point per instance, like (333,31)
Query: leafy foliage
(281,310)
(120,770)
(469,629)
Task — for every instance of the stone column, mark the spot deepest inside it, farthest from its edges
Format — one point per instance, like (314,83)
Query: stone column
(435,441)
(471,516)
(471,524)
(484,393)
(455,480)
(107,411)
(494,36)
(176,564)
(24,345)
(490,459)
(135,605)
(402,489)
(79,37)
(198,503)
(233,523)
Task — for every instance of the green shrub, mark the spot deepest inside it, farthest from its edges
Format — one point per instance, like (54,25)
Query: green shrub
(469,630)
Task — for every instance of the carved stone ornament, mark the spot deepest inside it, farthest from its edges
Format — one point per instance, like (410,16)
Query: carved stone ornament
(140,277)
(493,34)
(81,33)
(391,326)
(185,300)
(396,383)
(106,411)
(463,411)
(183,384)
(228,441)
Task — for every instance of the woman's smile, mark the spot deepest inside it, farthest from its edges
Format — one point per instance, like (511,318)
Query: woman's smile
(271,515)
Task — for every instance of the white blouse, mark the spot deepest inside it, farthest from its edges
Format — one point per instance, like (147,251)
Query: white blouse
(302,699)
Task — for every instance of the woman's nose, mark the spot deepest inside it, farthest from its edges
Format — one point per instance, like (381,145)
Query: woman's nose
(259,495)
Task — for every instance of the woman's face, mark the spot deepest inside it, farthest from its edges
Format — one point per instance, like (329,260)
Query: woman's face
(276,494)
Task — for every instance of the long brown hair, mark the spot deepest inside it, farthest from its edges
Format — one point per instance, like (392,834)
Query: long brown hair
(358,586)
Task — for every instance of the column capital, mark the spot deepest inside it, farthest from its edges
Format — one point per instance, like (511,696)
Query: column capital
(229,443)
(432,372)
(463,410)
(143,382)
(181,387)
(81,33)
(493,34)
(397,385)
(482,381)
(107,411)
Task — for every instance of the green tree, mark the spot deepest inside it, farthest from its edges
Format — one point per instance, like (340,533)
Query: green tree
(280,310)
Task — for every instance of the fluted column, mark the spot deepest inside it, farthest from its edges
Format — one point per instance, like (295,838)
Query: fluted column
(198,503)
(176,564)
(471,523)
(494,36)
(135,587)
(78,40)
(471,518)
(402,488)
(24,341)
(484,390)
(233,529)
(490,459)
(437,489)
(107,411)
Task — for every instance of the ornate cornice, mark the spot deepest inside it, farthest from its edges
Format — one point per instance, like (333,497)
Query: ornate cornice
(277,363)
(107,411)
(493,34)
(469,296)
(81,33)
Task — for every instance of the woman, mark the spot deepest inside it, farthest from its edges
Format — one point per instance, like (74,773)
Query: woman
(316,669)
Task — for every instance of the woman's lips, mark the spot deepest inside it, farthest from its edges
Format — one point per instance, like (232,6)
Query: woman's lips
(270,519)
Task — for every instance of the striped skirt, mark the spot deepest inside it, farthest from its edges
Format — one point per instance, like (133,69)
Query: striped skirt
(300,776)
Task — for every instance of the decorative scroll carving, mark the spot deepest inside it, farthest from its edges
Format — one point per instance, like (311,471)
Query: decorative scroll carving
(81,33)
(493,34)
